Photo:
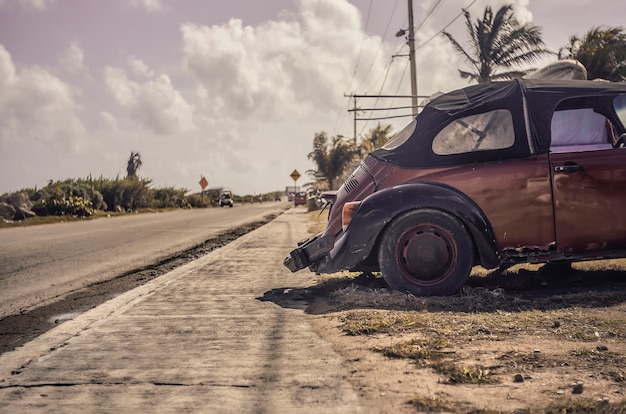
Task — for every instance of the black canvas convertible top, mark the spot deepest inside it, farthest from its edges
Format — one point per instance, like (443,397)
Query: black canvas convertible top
(541,99)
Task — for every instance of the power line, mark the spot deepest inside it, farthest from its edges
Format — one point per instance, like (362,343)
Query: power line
(430,13)
(393,11)
(435,7)
(380,46)
(446,26)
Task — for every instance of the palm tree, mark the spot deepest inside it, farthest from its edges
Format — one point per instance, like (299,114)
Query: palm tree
(133,165)
(332,157)
(499,42)
(375,138)
(601,51)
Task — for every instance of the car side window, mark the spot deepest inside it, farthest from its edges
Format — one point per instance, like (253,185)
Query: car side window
(482,132)
(619,104)
(579,130)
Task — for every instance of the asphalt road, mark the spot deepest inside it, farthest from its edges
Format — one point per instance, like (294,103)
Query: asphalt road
(39,264)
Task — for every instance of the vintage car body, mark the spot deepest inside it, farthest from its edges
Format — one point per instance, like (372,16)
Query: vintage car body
(528,170)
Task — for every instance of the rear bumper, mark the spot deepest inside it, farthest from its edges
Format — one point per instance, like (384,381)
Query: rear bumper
(309,252)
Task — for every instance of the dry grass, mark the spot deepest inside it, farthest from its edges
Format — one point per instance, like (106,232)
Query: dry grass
(587,406)
(433,405)
(583,310)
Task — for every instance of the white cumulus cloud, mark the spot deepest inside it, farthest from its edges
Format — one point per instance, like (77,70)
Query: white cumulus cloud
(37,105)
(155,104)
(279,68)
(72,59)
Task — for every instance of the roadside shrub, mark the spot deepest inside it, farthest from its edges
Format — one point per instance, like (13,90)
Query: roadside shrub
(81,187)
(127,194)
(170,198)
(58,204)
(199,200)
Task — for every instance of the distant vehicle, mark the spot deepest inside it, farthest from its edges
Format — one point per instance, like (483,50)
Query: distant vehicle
(299,198)
(494,174)
(277,197)
(226,198)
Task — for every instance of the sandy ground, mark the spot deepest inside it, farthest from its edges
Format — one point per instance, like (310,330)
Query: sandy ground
(525,340)
(534,368)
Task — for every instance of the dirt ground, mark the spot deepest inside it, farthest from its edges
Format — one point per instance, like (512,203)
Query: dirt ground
(527,340)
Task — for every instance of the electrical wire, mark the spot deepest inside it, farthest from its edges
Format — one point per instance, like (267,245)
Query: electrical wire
(369,69)
(358,59)
(446,26)
(341,118)
(430,13)
(401,81)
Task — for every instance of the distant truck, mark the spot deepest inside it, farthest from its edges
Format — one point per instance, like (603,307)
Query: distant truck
(226,198)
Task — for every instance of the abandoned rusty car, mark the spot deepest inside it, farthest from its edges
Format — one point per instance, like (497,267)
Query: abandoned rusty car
(521,171)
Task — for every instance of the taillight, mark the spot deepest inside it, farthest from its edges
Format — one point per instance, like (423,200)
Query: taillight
(347,212)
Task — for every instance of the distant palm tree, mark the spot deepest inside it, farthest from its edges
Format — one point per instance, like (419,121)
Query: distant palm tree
(601,51)
(499,42)
(133,165)
(332,157)
(375,138)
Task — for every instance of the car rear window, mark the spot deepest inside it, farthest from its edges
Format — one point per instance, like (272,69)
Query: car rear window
(482,132)
(401,137)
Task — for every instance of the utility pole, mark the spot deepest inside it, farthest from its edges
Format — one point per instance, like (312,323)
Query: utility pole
(411,40)
(355,108)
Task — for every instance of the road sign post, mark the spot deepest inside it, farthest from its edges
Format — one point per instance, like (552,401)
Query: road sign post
(294,176)
(203,183)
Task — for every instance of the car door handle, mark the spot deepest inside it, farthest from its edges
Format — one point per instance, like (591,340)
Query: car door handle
(568,168)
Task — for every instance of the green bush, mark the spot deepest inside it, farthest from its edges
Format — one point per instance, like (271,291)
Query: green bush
(128,194)
(198,200)
(170,198)
(58,204)
(80,187)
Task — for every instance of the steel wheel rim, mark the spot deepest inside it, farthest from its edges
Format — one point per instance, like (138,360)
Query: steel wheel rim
(426,254)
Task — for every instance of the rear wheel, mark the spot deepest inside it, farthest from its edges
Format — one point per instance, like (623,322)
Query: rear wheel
(426,253)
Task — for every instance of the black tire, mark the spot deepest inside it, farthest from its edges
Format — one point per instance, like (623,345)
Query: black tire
(426,253)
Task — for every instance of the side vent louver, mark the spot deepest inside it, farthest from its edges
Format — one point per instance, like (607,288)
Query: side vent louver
(351,184)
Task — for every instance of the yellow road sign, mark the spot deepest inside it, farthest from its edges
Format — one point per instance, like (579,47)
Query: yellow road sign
(203,183)
(295,175)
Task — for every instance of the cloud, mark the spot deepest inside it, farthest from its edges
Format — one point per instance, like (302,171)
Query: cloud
(149,5)
(139,67)
(243,106)
(28,4)
(72,59)
(36,105)
(110,121)
(154,104)
(280,68)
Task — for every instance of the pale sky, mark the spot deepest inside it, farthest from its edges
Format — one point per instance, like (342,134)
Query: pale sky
(232,90)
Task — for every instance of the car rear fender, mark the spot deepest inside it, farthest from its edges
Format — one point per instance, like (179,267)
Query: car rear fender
(379,209)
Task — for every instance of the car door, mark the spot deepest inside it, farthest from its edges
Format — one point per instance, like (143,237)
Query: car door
(514,194)
(589,189)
